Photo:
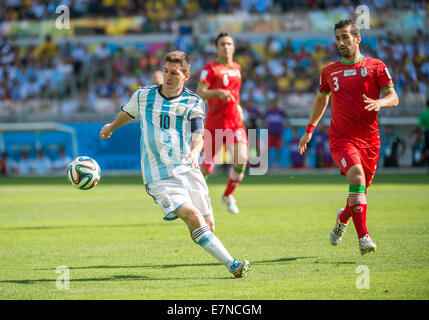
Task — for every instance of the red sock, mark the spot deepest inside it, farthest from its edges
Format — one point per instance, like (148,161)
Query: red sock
(235,177)
(230,187)
(346,214)
(359,219)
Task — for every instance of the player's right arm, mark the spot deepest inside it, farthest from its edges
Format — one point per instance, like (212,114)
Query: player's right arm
(319,106)
(204,92)
(127,113)
(122,119)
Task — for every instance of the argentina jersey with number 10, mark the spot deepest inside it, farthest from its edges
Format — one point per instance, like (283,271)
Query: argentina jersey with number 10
(165,125)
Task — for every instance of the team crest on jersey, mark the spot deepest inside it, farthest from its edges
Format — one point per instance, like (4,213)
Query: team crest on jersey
(349,72)
(363,72)
(232,73)
(180,110)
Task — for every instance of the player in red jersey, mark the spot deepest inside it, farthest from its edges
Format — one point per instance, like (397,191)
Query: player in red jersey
(355,83)
(219,84)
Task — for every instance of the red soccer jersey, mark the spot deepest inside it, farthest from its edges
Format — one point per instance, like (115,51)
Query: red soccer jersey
(350,122)
(219,75)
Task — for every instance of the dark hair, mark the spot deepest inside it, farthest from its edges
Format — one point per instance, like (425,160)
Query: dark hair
(354,29)
(179,57)
(221,35)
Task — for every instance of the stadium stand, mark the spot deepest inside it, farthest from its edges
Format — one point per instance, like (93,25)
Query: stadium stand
(89,75)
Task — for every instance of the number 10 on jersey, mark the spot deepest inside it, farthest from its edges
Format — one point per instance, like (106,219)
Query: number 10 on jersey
(164,121)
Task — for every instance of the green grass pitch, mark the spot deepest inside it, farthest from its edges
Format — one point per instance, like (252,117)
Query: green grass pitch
(116,245)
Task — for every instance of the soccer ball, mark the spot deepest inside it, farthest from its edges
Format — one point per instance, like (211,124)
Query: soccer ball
(83,173)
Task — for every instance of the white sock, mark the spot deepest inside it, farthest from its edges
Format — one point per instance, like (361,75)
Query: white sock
(206,239)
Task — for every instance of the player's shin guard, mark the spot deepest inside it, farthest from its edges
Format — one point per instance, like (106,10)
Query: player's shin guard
(235,177)
(206,239)
(358,206)
(354,198)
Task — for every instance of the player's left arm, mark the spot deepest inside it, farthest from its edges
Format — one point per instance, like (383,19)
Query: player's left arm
(390,99)
(197,142)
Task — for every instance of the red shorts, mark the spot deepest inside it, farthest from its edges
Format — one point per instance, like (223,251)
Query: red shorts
(214,139)
(275,141)
(347,157)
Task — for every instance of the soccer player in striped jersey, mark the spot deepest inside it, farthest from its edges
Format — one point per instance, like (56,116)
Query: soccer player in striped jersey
(219,84)
(355,84)
(171,121)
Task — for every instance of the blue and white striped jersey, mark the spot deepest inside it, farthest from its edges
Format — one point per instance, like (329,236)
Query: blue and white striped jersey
(165,130)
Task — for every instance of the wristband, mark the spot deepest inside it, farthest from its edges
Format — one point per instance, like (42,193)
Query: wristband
(310,128)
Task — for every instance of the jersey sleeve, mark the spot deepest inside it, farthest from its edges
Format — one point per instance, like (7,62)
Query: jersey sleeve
(384,79)
(132,107)
(206,76)
(197,110)
(323,83)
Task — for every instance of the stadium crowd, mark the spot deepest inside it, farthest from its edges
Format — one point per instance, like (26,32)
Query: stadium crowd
(99,78)
(163,10)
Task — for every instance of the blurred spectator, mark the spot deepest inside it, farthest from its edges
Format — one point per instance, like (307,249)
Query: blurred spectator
(424,124)
(4,164)
(23,165)
(41,164)
(275,122)
(61,163)
(321,140)
(252,116)
(102,53)
(157,77)
(253,121)
(297,159)
(392,143)
(48,49)
(69,105)
(417,146)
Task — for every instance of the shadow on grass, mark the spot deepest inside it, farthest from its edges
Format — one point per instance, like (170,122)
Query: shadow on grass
(167,266)
(137,225)
(112,278)
(162,266)
(335,263)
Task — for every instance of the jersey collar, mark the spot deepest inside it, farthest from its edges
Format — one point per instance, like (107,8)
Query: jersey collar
(170,98)
(353,62)
(223,62)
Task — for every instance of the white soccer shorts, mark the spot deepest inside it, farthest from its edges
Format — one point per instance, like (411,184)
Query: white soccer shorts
(173,192)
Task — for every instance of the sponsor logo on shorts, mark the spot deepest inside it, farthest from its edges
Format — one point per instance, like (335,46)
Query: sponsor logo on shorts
(343,162)
(165,203)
